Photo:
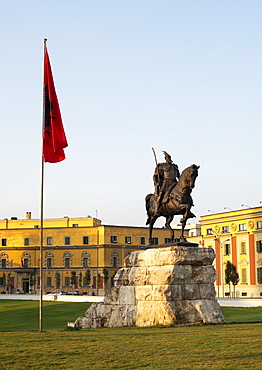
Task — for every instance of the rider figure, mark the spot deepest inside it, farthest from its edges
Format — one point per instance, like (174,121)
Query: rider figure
(165,179)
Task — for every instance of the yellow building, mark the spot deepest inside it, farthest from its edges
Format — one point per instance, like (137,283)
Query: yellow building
(77,252)
(236,236)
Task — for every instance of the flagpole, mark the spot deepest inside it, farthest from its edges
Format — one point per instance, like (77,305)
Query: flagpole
(41,222)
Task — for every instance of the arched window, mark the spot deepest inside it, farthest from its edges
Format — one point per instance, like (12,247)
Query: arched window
(67,260)
(26,260)
(3,260)
(115,259)
(49,260)
(85,259)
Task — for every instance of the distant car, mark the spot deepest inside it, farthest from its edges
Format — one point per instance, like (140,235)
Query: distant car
(74,292)
(56,292)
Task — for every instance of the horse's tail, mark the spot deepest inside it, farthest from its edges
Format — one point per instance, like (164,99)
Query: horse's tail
(147,199)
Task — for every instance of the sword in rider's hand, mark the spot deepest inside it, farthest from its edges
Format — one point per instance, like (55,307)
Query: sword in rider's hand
(158,176)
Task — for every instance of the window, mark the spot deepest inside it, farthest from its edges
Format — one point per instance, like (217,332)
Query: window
(177,240)
(114,239)
(167,240)
(115,259)
(85,259)
(259,225)
(67,240)
(49,262)
(26,241)
(4,242)
(85,262)
(243,249)
(85,240)
(128,240)
(75,225)
(142,240)
(26,260)
(243,276)
(67,262)
(25,263)
(242,227)
(226,249)
(4,264)
(154,241)
(49,281)
(3,260)
(67,281)
(259,275)
(209,231)
(225,229)
(259,246)
(49,240)
(67,258)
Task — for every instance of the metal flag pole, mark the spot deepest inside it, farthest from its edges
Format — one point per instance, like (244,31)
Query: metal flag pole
(41,221)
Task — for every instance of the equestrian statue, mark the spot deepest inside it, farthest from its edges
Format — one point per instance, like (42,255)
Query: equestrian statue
(172,195)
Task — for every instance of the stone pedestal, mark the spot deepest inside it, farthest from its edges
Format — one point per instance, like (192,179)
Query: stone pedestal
(171,285)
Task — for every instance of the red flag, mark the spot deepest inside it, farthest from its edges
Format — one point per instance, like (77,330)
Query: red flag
(54,139)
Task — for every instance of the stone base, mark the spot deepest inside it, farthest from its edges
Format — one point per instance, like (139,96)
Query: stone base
(172,285)
(174,244)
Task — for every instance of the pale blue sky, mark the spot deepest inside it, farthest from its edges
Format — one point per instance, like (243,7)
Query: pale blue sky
(181,76)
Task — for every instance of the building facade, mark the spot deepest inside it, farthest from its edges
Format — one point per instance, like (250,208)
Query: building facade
(78,253)
(236,236)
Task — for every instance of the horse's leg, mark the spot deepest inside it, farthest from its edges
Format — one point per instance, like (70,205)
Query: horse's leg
(152,222)
(169,219)
(182,238)
(183,222)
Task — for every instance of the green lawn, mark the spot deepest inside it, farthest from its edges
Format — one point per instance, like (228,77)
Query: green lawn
(228,346)
(17,315)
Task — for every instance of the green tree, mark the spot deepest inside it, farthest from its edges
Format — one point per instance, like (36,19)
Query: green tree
(231,276)
(73,279)
(112,278)
(8,283)
(97,281)
(105,276)
(4,282)
(32,279)
(80,279)
(87,279)
(57,280)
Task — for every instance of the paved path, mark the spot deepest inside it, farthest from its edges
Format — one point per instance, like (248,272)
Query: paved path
(50,297)
(224,302)
(240,302)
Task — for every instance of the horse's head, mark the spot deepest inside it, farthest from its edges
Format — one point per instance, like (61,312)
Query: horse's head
(193,173)
(188,177)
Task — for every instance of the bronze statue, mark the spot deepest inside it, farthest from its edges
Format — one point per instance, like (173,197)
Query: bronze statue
(165,179)
(171,197)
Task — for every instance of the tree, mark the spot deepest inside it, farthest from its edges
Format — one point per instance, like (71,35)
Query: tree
(4,281)
(105,276)
(57,280)
(73,279)
(32,279)
(231,276)
(80,279)
(8,283)
(88,278)
(97,282)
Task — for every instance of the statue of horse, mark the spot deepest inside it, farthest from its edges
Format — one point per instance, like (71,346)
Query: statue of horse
(179,203)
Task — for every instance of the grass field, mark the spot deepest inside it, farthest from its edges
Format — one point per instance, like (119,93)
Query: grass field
(229,346)
(17,315)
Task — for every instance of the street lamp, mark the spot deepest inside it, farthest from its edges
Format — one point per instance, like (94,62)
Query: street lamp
(221,262)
